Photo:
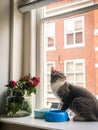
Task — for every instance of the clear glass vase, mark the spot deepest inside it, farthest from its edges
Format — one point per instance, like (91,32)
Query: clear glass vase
(18,103)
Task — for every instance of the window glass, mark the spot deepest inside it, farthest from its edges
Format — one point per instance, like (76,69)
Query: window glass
(75,41)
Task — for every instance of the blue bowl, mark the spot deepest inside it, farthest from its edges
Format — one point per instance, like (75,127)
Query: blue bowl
(56,116)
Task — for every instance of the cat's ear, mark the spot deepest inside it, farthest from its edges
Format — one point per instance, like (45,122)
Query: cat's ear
(52,69)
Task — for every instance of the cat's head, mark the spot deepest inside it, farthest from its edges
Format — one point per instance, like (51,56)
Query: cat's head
(56,75)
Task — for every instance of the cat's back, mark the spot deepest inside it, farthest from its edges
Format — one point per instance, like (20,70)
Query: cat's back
(83,93)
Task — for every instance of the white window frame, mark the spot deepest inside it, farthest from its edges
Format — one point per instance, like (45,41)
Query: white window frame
(75,61)
(73,32)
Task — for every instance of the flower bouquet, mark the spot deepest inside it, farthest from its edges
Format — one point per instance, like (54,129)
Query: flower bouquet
(19,99)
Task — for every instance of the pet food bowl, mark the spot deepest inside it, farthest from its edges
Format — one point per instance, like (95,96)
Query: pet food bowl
(56,116)
(40,113)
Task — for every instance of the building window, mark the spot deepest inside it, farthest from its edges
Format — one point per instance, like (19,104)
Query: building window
(50,98)
(50,36)
(74,32)
(49,65)
(75,71)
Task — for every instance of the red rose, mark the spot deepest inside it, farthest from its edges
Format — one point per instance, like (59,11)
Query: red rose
(12,84)
(37,79)
(30,83)
(35,84)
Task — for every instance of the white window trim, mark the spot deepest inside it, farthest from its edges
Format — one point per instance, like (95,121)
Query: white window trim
(77,61)
(69,7)
(74,45)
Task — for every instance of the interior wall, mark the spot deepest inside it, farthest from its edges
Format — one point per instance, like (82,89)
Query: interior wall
(4,49)
(16,47)
(11,46)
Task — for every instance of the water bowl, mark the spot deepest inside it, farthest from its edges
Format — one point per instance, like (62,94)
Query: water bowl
(56,116)
(40,113)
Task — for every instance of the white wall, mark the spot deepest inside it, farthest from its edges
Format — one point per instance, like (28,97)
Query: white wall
(4,48)
(11,46)
(16,47)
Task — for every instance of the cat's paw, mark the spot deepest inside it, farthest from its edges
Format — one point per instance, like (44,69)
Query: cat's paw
(78,118)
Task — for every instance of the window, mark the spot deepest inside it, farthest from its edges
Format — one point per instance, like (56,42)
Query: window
(49,65)
(74,32)
(50,98)
(50,36)
(75,71)
(75,53)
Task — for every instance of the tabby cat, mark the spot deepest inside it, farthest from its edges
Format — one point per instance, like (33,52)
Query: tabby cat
(76,98)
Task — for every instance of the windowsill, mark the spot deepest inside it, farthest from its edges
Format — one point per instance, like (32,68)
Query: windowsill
(50,49)
(39,123)
(73,46)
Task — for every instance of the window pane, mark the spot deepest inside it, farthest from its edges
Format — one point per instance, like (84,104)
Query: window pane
(69,28)
(78,67)
(78,25)
(49,65)
(70,39)
(69,67)
(80,77)
(70,77)
(79,38)
(49,89)
(50,41)
(50,28)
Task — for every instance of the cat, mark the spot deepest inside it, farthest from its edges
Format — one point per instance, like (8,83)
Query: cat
(76,98)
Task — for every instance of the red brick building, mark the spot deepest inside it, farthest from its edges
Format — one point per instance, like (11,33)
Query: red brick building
(88,52)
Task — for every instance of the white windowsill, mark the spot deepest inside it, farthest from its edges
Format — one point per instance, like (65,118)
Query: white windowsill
(73,46)
(39,123)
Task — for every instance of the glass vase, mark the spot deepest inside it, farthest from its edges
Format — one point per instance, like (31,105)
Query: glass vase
(18,103)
